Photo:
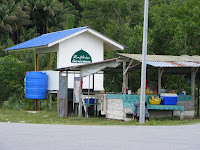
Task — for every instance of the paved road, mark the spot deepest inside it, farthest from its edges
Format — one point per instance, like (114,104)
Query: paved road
(20,136)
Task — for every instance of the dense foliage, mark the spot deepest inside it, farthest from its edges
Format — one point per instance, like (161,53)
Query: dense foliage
(174,28)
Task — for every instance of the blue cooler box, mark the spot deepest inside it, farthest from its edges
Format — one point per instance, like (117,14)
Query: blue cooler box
(91,100)
(168,98)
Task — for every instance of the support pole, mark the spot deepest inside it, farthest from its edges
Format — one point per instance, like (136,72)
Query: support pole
(124,78)
(193,83)
(36,62)
(198,100)
(49,62)
(160,72)
(63,95)
(143,69)
(193,74)
(80,102)
(127,82)
(58,102)
(50,100)
(86,113)
(67,101)
(36,105)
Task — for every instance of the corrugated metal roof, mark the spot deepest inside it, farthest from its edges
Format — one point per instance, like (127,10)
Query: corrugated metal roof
(46,39)
(174,64)
(167,60)
(163,58)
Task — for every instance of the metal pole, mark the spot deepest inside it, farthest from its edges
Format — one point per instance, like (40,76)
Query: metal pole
(67,101)
(198,99)
(124,78)
(143,69)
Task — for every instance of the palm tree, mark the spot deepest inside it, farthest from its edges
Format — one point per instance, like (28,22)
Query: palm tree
(20,22)
(59,21)
(8,15)
(49,8)
(32,7)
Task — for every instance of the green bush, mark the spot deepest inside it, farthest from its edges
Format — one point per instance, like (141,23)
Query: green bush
(11,78)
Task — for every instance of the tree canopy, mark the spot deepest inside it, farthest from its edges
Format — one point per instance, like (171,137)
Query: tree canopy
(174,26)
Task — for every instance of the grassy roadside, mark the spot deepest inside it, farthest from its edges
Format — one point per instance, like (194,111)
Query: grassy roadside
(50,117)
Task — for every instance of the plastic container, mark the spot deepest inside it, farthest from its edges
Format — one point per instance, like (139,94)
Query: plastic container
(36,85)
(180,93)
(168,98)
(154,100)
(91,100)
(148,91)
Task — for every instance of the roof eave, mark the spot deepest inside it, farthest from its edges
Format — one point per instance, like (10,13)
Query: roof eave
(13,50)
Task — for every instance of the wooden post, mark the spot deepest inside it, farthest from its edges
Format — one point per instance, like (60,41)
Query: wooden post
(63,95)
(50,100)
(49,62)
(76,108)
(36,105)
(160,72)
(80,102)
(193,74)
(66,113)
(80,107)
(88,102)
(36,62)
(58,102)
(126,81)
(124,78)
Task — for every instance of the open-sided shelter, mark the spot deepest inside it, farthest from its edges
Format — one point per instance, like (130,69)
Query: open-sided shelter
(73,47)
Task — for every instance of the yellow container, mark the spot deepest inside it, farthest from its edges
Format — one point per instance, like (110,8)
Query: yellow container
(155,100)
(148,91)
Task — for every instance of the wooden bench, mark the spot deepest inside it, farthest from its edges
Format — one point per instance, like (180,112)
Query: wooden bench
(130,100)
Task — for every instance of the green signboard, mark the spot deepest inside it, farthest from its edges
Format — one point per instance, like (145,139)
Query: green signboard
(81,56)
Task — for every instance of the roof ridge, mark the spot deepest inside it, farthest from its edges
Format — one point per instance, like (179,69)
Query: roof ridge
(65,30)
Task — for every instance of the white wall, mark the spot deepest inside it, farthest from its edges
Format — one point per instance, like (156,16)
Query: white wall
(93,46)
(98,81)
(84,41)
(53,80)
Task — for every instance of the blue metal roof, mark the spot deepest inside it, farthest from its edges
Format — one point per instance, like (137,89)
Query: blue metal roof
(46,39)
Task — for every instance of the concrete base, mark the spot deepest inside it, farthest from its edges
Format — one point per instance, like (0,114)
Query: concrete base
(160,113)
(185,114)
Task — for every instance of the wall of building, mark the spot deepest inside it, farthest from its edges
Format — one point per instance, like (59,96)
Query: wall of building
(93,46)
(85,41)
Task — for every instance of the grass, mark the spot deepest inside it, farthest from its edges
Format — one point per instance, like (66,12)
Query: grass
(50,117)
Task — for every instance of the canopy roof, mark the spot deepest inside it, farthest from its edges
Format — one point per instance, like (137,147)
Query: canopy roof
(50,39)
(166,60)
(91,68)
(171,64)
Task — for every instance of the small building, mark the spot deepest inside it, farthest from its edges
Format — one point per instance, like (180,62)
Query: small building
(73,47)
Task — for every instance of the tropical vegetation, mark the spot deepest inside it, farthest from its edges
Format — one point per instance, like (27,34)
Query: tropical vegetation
(174,29)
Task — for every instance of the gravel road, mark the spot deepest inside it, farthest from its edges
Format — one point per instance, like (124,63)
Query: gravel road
(22,136)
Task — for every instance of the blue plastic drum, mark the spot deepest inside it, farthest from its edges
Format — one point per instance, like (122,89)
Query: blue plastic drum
(36,85)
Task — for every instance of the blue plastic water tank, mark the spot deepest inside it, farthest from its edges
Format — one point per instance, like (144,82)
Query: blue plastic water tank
(36,85)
